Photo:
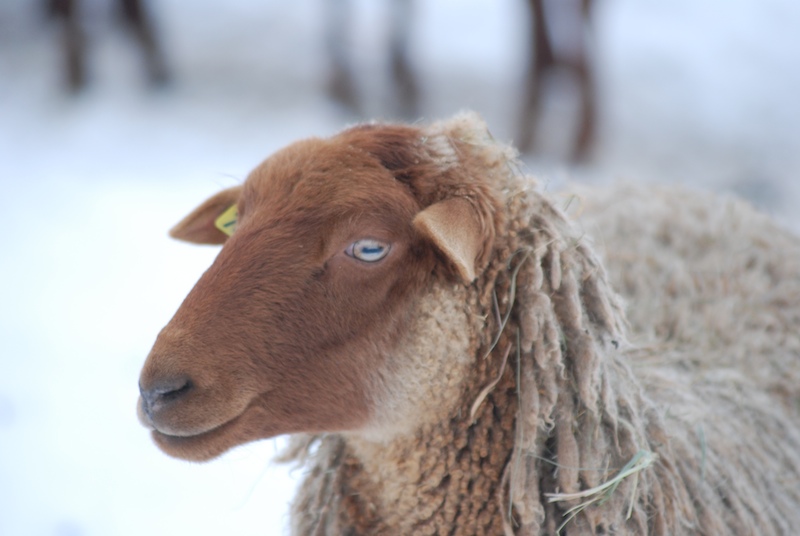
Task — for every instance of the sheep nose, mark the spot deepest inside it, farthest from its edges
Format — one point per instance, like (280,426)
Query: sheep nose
(164,393)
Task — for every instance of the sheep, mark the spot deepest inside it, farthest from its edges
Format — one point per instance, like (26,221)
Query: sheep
(557,41)
(137,19)
(342,86)
(449,356)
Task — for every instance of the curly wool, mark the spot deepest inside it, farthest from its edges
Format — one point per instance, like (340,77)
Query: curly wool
(575,402)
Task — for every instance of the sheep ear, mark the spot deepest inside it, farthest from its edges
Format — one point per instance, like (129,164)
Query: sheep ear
(454,227)
(199,227)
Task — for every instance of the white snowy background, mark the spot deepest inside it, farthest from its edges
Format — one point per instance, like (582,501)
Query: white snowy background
(703,92)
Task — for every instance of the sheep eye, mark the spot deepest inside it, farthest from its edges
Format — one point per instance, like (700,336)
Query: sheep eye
(368,250)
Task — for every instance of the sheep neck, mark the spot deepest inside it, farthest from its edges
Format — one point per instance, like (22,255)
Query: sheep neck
(438,478)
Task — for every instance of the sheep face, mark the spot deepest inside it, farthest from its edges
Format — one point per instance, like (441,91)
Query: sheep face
(295,326)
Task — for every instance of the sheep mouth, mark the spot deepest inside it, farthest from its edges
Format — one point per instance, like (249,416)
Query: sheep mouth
(196,445)
(176,439)
(171,436)
(201,446)
(147,420)
(251,424)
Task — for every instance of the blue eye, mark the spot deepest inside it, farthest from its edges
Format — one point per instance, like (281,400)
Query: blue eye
(368,250)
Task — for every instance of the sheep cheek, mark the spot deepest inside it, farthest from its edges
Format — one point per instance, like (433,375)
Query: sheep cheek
(421,381)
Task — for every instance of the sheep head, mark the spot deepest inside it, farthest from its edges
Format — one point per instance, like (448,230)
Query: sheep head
(299,324)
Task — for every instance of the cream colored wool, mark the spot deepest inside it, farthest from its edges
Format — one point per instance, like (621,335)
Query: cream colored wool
(685,255)
(708,383)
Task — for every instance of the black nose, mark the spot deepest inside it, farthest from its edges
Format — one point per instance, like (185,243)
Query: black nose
(163,393)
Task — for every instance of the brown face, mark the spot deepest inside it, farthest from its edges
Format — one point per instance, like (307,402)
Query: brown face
(286,330)
(291,327)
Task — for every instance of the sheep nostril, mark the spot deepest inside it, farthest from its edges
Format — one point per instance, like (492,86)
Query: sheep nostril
(177,392)
(164,393)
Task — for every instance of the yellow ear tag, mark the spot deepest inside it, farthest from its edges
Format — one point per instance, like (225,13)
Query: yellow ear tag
(226,222)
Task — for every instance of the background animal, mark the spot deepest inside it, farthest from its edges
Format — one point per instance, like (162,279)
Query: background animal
(343,83)
(558,44)
(448,346)
(135,17)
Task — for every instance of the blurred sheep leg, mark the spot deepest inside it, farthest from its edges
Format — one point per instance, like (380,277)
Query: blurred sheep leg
(342,85)
(139,22)
(558,41)
(403,78)
(73,41)
(341,82)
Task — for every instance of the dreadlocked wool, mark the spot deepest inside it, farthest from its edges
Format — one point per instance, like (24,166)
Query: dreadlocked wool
(671,408)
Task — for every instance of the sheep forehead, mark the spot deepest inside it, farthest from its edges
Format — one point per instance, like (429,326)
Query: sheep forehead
(318,174)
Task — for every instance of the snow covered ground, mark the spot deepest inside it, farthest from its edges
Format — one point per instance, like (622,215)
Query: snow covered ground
(701,92)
